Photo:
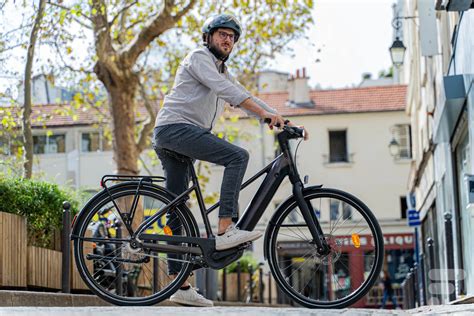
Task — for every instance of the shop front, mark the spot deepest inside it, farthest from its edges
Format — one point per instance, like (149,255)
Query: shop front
(350,268)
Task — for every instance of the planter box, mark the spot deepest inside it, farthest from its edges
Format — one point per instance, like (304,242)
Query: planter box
(44,268)
(231,294)
(13,257)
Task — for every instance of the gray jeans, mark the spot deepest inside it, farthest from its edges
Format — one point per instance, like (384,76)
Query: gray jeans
(198,143)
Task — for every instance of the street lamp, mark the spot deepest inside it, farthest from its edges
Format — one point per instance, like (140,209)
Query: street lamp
(397,52)
(394,148)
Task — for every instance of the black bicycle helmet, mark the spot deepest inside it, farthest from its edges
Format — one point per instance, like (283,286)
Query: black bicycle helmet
(221,21)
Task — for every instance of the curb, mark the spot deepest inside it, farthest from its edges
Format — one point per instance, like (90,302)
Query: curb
(45,299)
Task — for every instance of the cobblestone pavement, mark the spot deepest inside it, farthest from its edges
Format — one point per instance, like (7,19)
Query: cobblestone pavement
(228,311)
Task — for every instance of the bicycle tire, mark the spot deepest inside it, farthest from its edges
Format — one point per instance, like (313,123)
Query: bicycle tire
(317,298)
(124,191)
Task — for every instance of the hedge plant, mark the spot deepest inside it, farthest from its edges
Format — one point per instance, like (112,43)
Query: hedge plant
(246,260)
(40,203)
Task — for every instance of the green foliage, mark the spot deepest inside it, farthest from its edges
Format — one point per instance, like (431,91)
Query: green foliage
(246,260)
(39,202)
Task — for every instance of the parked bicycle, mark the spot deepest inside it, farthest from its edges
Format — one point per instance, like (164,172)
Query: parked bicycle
(334,229)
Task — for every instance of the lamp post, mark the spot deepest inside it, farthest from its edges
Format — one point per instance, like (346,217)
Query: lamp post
(397,50)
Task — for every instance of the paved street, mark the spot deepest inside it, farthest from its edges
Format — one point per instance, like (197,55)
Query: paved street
(227,311)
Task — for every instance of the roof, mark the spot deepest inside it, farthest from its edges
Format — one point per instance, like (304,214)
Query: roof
(347,100)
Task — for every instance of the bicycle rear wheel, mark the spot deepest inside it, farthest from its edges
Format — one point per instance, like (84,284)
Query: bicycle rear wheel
(111,265)
(356,243)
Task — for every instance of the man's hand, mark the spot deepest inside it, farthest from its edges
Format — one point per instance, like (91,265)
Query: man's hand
(275,119)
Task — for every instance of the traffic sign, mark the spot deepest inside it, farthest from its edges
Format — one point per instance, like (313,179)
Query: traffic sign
(413,217)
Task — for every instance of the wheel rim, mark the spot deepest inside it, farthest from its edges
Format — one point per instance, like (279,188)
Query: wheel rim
(316,280)
(143,274)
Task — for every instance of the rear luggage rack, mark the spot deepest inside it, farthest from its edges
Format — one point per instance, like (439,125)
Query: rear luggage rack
(129,215)
(118,177)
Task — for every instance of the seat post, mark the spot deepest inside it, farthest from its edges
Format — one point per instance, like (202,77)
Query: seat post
(200,199)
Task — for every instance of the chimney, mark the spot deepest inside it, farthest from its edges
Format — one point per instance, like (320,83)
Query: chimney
(298,90)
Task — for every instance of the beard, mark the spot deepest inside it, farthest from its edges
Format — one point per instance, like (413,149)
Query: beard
(218,52)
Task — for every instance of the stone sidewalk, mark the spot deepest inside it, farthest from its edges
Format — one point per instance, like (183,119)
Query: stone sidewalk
(58,304)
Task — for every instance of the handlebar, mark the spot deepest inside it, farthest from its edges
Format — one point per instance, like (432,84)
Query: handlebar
(292,131)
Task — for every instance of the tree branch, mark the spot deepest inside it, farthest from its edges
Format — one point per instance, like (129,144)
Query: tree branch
(67,9)
(66,65)
(122,11)
(163,22)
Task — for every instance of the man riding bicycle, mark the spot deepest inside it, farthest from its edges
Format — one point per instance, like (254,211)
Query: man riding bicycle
(202,86)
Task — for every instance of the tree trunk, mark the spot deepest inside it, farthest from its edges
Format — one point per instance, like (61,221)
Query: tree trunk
(123,129)
(26,122)
(122,87)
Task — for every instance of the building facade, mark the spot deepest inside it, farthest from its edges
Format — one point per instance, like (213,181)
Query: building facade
(438,68)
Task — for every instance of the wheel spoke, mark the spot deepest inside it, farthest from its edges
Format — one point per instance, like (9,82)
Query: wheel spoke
(144,272)
(349,222)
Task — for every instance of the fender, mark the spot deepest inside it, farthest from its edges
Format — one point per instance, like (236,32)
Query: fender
(280,209)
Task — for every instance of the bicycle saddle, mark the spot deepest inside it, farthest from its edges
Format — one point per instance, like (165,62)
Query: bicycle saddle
(178,156)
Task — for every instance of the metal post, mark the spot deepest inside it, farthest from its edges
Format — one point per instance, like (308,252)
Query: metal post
(423,279)
(260,284)
(430,246)
(416,284)
(251,282)
(118,268)
(66,248)
(269,288)
(238,282)
(448,226)
(410,289)
(224,284)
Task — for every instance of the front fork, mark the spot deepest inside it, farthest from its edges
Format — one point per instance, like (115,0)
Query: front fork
(311,219)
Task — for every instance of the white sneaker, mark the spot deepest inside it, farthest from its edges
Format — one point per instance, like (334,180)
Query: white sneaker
(234,237)
(190,297)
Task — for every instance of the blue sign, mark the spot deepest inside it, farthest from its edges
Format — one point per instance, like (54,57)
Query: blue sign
(413,217)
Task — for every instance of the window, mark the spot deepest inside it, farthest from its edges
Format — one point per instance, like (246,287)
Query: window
(402,134)
(338,146)
(44,144)
(404,206)
(94,141)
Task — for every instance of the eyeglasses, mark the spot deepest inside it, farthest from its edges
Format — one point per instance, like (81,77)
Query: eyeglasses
(224,35)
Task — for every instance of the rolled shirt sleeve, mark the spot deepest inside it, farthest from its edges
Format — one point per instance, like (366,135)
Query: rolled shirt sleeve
(201,67)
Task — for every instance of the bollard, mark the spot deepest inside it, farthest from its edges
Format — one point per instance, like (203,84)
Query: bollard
(448,226)
(416,285)
(405,295)
(423,281)
(224,284)
(251,282)
(238,282)
(66,248)
(409,289)
(260,284)
(430,246)
(269,288)
(118,268)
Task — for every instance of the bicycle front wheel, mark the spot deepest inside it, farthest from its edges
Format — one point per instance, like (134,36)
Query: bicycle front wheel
(343,276)
(115,267)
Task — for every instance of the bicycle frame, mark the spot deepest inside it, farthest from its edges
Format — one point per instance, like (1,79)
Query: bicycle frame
(276,171)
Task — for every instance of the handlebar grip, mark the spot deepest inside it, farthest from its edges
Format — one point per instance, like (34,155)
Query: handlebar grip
(268,121)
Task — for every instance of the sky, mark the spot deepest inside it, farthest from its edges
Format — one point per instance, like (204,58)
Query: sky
(354,37)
